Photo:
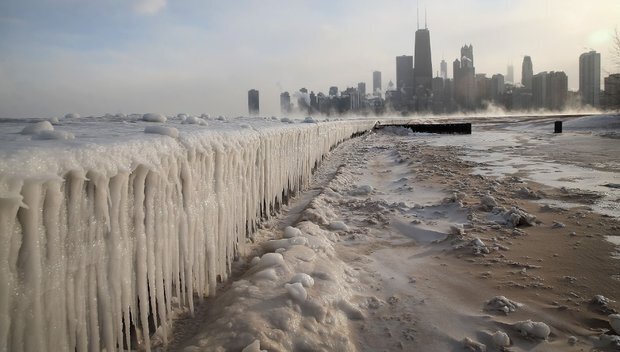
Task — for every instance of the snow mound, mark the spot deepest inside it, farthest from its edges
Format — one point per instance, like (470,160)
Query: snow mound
(285,243)
(53,120)
(165,131)
(502,304)
(193,120)
(309,119)
(290,232)
(153,117)
(297,292)
(53,135)
(270,259)
(500,339)
(533,329)
(37,127)
(338,226)
(72,116)
(221,118)
(487,202)
(304,279)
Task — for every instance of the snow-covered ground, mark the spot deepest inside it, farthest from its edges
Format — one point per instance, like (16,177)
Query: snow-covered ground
(398,242)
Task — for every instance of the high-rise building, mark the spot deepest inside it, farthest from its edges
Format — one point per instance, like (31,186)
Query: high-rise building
(612,91)
(285,103)
(539,90)
(510,74)
(361,89)
(497,87)
(557,90)
(527,72)
(423,66)
(333,91)
(468,52)
(549,90)
(253,104)
(376,83)
(590,78)
(464,78)
(404,74)
(444,69)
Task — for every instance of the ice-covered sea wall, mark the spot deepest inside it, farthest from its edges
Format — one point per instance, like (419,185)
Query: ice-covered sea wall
(116,227)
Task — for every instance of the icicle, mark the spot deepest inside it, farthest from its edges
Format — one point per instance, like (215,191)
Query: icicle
(88,252)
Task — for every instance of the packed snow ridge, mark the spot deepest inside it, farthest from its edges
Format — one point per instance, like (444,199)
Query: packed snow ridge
(101,236)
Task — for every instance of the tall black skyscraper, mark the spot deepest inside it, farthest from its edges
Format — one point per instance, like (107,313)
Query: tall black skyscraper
(253,102)
(423,66)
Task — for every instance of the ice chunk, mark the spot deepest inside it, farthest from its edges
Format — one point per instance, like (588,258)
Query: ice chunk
(474,346)
(352,312)
(163,130)
(270,259)
(284,243)
(488,202)
(286,120)
(303,278)
(72,116)
(296,291)
(37,127)
(309,119)
(153,117)
(267,274)
(338,226)
(502,304)
(193,120)
(291,231)
(614,321)
(516,217)
(533,329)
(500,339)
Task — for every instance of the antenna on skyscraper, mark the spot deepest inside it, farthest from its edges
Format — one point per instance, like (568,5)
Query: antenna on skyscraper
(417,5)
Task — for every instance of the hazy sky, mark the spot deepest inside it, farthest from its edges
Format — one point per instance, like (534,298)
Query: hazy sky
(194,56)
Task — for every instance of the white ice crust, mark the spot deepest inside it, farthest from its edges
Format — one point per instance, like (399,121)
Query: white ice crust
(112,228)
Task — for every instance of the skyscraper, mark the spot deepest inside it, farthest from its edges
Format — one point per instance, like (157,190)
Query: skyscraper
(404,74)
(510,74)
(376,83)
(527,72)
(468,52)
(253,105)
(590,78)
(444,69)
(423,66)
(285,103)
(361,88)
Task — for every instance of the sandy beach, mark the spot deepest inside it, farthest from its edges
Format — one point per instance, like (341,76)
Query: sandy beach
(411,242)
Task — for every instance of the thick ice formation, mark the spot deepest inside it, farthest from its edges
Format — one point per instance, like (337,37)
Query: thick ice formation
(99,235)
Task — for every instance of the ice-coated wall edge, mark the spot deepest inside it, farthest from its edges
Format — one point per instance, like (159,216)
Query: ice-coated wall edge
(100,235)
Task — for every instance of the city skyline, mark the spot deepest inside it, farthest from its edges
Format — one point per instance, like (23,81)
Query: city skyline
(173,58)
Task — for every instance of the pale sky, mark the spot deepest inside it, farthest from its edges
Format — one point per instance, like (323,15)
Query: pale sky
(202,56)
